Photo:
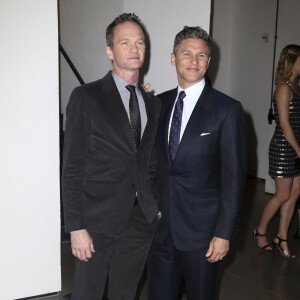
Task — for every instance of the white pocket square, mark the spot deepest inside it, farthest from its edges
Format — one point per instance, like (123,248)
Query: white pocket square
(204,133)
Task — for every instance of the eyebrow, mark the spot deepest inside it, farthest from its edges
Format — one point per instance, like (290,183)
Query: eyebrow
(201,52)
(128,38)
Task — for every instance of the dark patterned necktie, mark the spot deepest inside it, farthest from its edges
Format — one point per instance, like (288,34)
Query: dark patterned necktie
(135,118)
(174,136)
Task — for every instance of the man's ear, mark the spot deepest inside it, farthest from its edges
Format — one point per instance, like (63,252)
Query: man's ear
(109,53)
(172,59)
(208,62)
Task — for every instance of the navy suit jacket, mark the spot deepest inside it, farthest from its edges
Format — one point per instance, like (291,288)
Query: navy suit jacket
(101,170)
(201,193)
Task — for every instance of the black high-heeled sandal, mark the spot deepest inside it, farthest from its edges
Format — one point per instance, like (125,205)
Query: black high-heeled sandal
(283,252)
(267,247)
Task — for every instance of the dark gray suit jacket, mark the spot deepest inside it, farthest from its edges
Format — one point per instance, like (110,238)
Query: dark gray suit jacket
(101,171)
(201,194)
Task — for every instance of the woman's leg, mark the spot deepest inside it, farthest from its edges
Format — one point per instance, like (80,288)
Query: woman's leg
(288,208)
(282,195)
(286,213)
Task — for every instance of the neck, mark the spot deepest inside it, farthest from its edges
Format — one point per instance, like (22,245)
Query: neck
(130,77)
(184,84)
(294,78)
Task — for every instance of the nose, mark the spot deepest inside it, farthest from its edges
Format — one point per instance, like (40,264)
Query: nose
(133,47)
(194,59)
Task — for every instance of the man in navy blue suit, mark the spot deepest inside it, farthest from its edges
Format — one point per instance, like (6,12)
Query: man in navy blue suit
(202,153)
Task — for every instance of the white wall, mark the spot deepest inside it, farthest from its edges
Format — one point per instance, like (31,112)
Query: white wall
(83,25)
(288,33)
(82,35)
(29,152)
(163,20)
(245,66)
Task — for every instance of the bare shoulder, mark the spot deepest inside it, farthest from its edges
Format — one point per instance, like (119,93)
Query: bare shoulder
(285,85)
(283,91)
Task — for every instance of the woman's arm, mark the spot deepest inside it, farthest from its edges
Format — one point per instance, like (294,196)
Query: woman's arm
(283,98)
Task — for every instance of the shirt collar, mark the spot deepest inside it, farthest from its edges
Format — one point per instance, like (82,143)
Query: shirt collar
(193,90)
(121,82)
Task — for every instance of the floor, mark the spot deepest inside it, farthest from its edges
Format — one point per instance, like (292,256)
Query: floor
(247,273)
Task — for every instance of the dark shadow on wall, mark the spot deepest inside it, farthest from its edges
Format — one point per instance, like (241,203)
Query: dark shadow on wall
(145,68)
(252,146)
(252,136)
(214,63)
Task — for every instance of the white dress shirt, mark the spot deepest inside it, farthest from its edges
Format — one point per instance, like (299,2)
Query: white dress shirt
(192,95)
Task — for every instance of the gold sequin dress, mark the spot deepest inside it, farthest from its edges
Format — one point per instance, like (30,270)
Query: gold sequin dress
(281,154)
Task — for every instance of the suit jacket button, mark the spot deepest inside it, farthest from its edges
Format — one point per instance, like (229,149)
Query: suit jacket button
(133,186)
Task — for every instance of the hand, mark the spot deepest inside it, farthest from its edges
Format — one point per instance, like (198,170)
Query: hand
(217,249)
(82,245)
(146,86)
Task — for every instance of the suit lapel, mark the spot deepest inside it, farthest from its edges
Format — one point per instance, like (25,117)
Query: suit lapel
(164,121)
(195,125)
(150,116)
(119,114)
(114,101)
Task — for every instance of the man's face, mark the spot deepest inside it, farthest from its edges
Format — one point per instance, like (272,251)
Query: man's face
(128,49)
(191,61)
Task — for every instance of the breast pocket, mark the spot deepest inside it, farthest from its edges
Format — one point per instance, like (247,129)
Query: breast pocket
(205,148)
(207,139)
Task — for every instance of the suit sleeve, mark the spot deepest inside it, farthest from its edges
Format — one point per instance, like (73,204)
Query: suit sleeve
(154,163)
(233,168)
(76,144)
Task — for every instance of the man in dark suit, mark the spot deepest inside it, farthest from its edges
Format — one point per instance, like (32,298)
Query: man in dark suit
(201,149)
(109,169)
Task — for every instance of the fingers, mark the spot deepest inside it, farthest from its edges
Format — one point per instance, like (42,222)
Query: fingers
(216,257)
(209,251)
(83,255)
(217,250)
(92,247)
(146,86)
(82,245)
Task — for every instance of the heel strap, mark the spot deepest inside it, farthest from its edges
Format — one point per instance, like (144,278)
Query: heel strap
(280,240)
(259,234)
